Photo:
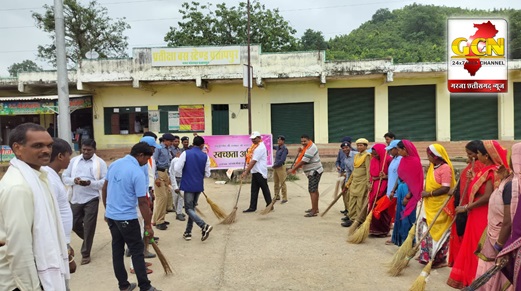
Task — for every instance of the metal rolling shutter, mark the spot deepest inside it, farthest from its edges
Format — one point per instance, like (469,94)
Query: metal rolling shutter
(412,112)
(517,110)
(473,116)
(350,113)
(292,120)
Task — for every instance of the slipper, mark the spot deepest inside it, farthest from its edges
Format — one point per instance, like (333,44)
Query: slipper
(149,271)
(389,242)
(309,211)
(310,214)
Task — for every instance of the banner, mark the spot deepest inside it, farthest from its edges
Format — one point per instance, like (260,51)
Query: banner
(40,106)
(191,117)
(229,151)
(6,154)
(200,56)
(173,120)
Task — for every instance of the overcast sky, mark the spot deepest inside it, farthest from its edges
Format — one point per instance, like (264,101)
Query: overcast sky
(150,19)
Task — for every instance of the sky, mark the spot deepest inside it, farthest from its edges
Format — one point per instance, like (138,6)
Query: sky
(150,20)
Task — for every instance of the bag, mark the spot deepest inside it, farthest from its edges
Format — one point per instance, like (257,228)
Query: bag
(461,218)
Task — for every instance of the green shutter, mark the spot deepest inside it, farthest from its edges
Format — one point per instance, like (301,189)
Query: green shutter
(292,120)
(517,110)
(473,116)
(220,120)
(350,113)
(163,117)
(412,112)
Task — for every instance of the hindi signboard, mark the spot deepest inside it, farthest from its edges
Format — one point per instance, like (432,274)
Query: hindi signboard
(200,56)
(229,151)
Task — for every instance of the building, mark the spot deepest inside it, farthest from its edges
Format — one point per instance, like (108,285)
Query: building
(200,89)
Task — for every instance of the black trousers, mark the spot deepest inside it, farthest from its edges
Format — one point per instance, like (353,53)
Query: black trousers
(85,217)
(257,181)
(128,232)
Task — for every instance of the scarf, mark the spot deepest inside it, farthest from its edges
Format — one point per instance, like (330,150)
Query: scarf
(303,152)
(96,168)
(49,245)
(360,159)
(499,158)
(410,171)
(249,152)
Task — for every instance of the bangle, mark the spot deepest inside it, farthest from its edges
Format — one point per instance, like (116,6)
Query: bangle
(499,244)
(71,259)
(467,208)
(431,194)
(497,247)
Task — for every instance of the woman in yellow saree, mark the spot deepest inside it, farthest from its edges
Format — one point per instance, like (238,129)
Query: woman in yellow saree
(438,182)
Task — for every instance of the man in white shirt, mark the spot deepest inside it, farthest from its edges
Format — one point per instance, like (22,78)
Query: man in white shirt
(35,255)
(175,180)
(86,176)
(60,158)
(256,158)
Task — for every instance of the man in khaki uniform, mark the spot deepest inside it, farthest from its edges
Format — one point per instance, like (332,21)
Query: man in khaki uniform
(358,183)
(279,169)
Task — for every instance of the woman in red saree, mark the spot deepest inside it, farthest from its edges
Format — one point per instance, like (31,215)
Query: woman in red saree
(475,203)
(458,228)
(378,171)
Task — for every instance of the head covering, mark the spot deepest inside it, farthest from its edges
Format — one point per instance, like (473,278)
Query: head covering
(516,180)
(150,141)
(255,134)
(439,151)
(410,171)
(362,140)
(346,139)
(345,144)
(281,137)
(185,138)
(392,145)
(168,136)
(381,164)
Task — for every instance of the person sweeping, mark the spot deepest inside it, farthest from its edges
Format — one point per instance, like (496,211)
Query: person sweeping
(309,159)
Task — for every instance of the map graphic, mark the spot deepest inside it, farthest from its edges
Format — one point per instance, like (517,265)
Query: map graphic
(484,30)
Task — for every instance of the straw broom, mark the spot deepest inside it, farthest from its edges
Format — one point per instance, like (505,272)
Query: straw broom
(160,255)
(483,279)
(333,203)
(219,213)
(396,269)
(359,219)
(421,281)
(361,233)
(269,208)
(233,215)
(196,208)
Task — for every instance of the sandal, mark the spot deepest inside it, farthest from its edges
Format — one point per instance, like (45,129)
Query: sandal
(149,271)
(389,242)
(310,214)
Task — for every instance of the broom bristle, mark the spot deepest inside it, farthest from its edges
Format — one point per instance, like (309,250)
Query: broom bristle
(162,259)
(420,282)
(268,208)
(231,217)
(219,213)
(353,227)
(362,232)
(396,264)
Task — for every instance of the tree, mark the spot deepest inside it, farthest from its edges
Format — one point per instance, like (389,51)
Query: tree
(312,40)
(222,25)
(25,66)
(87,28)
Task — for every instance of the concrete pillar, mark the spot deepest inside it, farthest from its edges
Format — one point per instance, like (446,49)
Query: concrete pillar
(506,113)
(442,111)
(381,111)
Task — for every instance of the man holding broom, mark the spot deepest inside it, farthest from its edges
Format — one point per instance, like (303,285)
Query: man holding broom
(125,187)
(193,165)
(358,182)
(279,169)
(309,160)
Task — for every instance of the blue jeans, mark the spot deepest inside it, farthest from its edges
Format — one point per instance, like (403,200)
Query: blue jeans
(190,202)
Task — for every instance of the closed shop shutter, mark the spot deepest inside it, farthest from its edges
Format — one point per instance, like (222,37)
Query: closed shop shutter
(473,116)
(292,120)
(350,113)
(517,110)
(412,112)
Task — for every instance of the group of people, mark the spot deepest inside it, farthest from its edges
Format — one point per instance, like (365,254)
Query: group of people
(470,225)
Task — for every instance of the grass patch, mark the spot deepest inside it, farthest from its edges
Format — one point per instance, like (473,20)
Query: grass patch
(292,177)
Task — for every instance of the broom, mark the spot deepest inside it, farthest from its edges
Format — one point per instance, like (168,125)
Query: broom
(332,203)
(269,208)
(421,281)
(483,279)
(412,252)
(361,233)
(219,213)
(359,219)
(233,215)
(160,255)
(196,208)
(395,266)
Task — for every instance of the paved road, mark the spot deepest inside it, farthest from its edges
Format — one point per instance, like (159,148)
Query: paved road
(279,251)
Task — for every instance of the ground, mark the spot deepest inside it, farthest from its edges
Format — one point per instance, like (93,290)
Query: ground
(279,251)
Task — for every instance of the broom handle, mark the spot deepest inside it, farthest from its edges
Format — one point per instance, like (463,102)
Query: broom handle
(292,164)
(433,221)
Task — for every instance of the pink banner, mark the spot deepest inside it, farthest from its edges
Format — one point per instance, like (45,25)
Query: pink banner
(229,151)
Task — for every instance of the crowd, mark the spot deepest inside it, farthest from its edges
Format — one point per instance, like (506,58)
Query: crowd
(471,224)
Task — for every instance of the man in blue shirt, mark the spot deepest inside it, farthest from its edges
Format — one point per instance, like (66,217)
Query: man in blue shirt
(125,187)
(348,160)
(163,157)
(279,169)
(194,165)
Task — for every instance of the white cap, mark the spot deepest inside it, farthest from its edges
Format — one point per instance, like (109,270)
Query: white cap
(255,134)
